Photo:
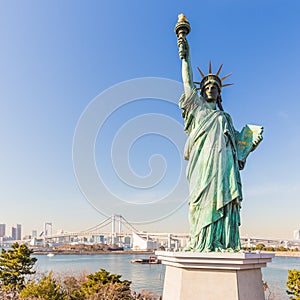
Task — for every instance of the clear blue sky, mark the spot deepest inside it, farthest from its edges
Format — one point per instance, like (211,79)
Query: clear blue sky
(56,56)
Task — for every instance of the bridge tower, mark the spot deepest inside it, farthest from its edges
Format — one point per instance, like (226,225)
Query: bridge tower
(47,225)
(114,234)
(113,228)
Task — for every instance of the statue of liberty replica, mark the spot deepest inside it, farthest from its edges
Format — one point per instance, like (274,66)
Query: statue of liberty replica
(216,153)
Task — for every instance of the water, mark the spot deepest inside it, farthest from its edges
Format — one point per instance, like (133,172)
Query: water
(276,274)
(143,276)
(151,277)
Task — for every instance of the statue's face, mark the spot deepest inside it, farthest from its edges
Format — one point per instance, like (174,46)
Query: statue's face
(211,92)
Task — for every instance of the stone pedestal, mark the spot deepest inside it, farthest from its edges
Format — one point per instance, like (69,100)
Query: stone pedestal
(213,276)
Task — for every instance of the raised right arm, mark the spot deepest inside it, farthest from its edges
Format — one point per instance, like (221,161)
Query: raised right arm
(187,73)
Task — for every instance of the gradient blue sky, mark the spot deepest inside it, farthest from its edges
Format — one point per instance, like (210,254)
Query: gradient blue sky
(56,56)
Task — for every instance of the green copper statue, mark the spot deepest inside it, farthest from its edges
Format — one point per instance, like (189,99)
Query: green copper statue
(216,153)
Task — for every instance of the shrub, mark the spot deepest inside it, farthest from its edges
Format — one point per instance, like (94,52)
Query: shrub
(72,288)
(270,248)
(47,288)
(293,284)
(105,286)
(260,246)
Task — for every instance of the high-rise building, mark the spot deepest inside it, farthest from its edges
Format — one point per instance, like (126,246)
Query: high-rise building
(297,234)
(34,233)
(19,232)
(16,232)
(2,230)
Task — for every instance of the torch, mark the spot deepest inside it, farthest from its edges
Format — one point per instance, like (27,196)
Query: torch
(182,28)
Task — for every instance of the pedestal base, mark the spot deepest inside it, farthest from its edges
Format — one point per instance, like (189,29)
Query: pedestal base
(213,276)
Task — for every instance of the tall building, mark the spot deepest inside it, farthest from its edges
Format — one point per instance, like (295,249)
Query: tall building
(296,234)
(2,230)
(16,232)
(19,232)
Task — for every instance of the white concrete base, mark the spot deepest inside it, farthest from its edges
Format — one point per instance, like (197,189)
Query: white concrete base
(213,276)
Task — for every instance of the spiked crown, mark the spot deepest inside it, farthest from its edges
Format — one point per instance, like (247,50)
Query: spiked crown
(212,78)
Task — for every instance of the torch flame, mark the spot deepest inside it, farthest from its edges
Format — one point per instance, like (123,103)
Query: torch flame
(182,18)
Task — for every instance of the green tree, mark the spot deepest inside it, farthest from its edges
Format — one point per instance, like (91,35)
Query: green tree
(270,248)
(293,284)
(47,288)
(15,264)
(281,248)
(105,286)
(260,246)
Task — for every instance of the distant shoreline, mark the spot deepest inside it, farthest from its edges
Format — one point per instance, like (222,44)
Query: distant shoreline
(140,252)
(286,253)
(282,253)
(78,252)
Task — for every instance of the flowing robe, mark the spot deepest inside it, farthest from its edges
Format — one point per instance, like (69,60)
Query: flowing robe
(213,176)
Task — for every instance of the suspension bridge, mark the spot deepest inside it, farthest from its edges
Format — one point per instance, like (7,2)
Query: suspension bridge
(114,230)
(117,230)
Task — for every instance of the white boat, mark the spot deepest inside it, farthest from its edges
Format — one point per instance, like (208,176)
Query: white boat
(50,254)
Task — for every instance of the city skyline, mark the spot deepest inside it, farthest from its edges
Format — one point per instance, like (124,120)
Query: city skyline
(15,231)
(34,233)
(64,65)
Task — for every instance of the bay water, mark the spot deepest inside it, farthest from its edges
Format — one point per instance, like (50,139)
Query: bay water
(151,277)
(148,277)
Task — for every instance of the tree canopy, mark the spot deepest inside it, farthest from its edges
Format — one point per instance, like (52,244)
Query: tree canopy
(15,264)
